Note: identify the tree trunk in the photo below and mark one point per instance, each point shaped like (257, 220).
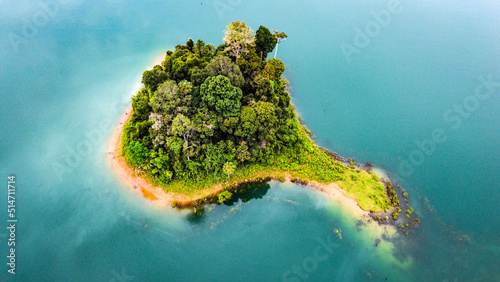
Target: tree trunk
(186, 145)
(276, 52)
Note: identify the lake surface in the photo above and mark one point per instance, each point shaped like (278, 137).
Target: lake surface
(391, 83)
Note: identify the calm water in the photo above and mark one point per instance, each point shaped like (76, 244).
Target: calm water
(68, 70)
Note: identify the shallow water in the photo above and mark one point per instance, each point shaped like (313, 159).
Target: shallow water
(70, 77)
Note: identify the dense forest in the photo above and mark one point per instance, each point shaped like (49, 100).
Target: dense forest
(208, 114)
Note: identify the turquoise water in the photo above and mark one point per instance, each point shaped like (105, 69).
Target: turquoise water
(69, 69)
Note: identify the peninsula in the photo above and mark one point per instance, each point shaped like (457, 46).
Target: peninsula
(209, 119)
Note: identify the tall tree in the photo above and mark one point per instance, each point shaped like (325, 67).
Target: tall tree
(242, 153)
(152, 78)
(274, 69)
(279, 37)
(222, 65)
(264, 41)
(229, 168)
(169, 100)
(182, 126)
(239, 38)
(217, 92)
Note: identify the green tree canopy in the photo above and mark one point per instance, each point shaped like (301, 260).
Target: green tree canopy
(242, 153)
(137, 153)
(222, 65)
(279, 67)
(229, 168)
(151, 78)
(264, 41)
(140, 104)
(169, 100)
(239, 39)
(218, 93)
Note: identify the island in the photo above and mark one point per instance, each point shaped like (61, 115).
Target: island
(211, 119)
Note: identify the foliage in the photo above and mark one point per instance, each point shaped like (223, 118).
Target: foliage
(222, 115)
(229, 168)
(152, 78)
(279, 37)
(392, 194)
(218, 93)
(242, 153)
(137, 153)
(239, 39)
(224, 196)
(222, 65)
(278, 66)
(264, 41)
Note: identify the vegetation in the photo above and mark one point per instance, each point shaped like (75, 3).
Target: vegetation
(221, 116)
(391, 192)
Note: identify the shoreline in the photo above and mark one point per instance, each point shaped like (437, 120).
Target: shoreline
(160, 197)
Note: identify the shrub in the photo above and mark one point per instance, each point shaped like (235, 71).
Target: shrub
(137, 153)
(224, 196)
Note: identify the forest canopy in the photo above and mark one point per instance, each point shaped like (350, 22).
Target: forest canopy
(209, 112)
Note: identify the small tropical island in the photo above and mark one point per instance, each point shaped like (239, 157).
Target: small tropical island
(211, 119)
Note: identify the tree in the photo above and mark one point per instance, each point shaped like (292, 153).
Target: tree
(266, 120)
(239, 38)
(279, 37)
(279, 68)
(269, 72)
(229, 168)
(169, 100)
(140, 104)
(242, 153)
(247, 126)
(199, 47)
(198, 76)
(249, 64)
(185, 87)
(190, 44)
(182, 126)
(137, 153)
(222, 65)
(217, 92)
(151, 78)
(264, 41)
(158, 165)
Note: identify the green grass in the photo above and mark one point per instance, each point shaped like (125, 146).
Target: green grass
(367, 190)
